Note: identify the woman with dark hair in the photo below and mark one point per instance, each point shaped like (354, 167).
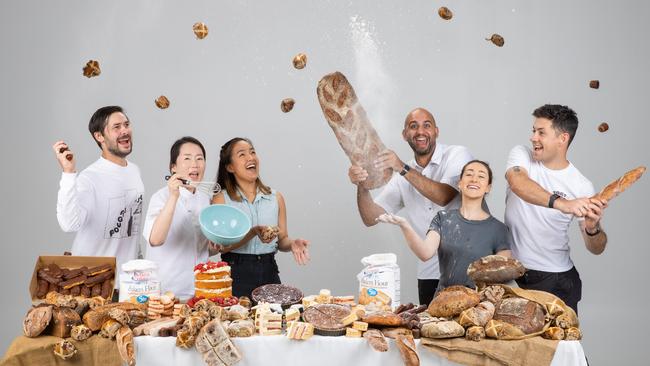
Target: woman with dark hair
(252, 260)
(460, 236)
(171, 228)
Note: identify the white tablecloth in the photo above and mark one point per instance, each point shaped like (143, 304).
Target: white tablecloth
(326, 351)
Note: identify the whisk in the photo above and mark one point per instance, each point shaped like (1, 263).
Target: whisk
(207, 187)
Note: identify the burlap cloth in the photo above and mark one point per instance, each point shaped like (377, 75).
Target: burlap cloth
(95, 350)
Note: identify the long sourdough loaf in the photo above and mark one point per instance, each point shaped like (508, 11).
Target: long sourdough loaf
(621, 184)
(350, 124)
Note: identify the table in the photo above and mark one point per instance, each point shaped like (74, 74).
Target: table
(326, 351)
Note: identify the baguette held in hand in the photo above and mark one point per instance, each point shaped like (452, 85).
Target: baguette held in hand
(621, 184)
(353, 130)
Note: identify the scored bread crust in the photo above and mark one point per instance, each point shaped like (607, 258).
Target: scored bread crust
(621, 184)
(353, 130)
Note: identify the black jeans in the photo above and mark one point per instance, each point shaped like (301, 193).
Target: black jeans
(249, 271)
(426, 289)
(565, 285)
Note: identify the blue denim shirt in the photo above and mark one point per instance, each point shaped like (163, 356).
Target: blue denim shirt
(262, 211)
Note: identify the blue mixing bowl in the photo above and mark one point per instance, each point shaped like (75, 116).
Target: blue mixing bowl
(224, 224)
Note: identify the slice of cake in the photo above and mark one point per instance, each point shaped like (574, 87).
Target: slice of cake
(212, 280)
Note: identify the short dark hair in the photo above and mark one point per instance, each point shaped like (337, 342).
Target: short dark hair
(100, 118)
(176, 148)
(226, 179)
(486, 165)
(564, 119)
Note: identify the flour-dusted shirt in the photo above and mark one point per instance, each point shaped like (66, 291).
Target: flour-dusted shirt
(103, 204)
(263, 211)
(541, 234)
(185, 245)
(444, 167)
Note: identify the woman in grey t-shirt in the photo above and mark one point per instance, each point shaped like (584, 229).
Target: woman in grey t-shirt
(460, 236)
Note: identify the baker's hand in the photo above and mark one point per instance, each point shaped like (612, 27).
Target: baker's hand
(392, 219)
(357, 174)
(300, 251)
(64, 156)
(388, 159)
(173, 184)
(577, 207)
(215, 248)
(595, 214)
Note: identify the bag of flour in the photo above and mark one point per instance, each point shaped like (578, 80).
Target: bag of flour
(379, 281)
(139, 277)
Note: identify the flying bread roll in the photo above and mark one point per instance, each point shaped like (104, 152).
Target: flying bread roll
(621, 184)
(353, 130)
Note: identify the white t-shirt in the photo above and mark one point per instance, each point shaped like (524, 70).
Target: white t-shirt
(103, 204)
(185, 245)
(444, 167)
(541, 234)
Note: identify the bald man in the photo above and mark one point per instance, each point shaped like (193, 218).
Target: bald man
(425, 185)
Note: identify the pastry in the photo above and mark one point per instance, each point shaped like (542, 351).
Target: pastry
(497, 40)
(212, 280)
(162, 102)
(185, 338)
(80, 332)
(215, 346)
(200, 30)
(95, 318)
(300, 61)
(65, 349)
(353, 333)
(277, 294)
(594, 84)
(352, 129)
(107, 289)
(91, 69)
(287, 105)
(241, 328)
(603, 127)
(475, 333)
(120, 315)
(445, 13)
(36, 320)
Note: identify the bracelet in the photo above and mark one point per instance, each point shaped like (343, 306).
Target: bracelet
(593, 234)
(405, 170)
(551, 200)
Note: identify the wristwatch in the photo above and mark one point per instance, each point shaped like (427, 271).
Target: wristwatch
(551, 200)
(405, 170)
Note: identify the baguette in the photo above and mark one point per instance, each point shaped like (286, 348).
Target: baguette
(621, 184)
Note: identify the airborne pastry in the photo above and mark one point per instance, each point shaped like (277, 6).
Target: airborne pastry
(445, 13)
(300, 61)
(200, 30)
(162, 102)
(92, 69)
(497, 40)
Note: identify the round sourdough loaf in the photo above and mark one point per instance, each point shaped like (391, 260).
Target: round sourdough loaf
(452, 301)
(524, 314)
(495, 269)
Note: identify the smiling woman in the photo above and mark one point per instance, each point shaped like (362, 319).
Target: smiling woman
(171, 228)
(460, 236)
(253, 258)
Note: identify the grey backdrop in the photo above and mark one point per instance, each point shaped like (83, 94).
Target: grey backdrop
(398, 55)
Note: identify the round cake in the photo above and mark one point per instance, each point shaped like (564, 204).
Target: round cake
(276, 293)
(212, 280)
(327, 319)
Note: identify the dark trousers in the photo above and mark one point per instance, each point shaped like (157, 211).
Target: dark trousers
(249, 271)
(426, 289)
(565, 285)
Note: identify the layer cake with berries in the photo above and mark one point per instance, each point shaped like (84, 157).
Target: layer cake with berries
(212, 279)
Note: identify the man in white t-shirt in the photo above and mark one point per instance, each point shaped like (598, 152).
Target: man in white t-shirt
(103, 203)
(545, 192)
(423, 187)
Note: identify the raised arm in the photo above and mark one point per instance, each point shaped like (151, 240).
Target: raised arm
(75, 196)
(423, 249)
(368, 209)
(162, 216)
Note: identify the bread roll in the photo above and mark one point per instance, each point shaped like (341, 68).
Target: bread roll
(452, 301)
(475, 333)
(501, 330)
(554, 333)
(478, 315)
(573, 334)
(442, 329)
(352, 128)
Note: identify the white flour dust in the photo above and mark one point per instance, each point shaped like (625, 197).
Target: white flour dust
(372, 83)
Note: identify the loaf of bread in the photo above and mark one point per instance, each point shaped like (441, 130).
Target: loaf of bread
(498, 329)
(36, 320)
(353, 130)
(442, 329)
(124, 339)
(493, 294)
(394, 332)
(524, 314)
(383, 318)
(63, 319)
(95, 318)
(376, 340)
(495, 269)
(407, 350)
(215, 346)
(621, 184)
(475, 333)
(452, 301)
(478, 315)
